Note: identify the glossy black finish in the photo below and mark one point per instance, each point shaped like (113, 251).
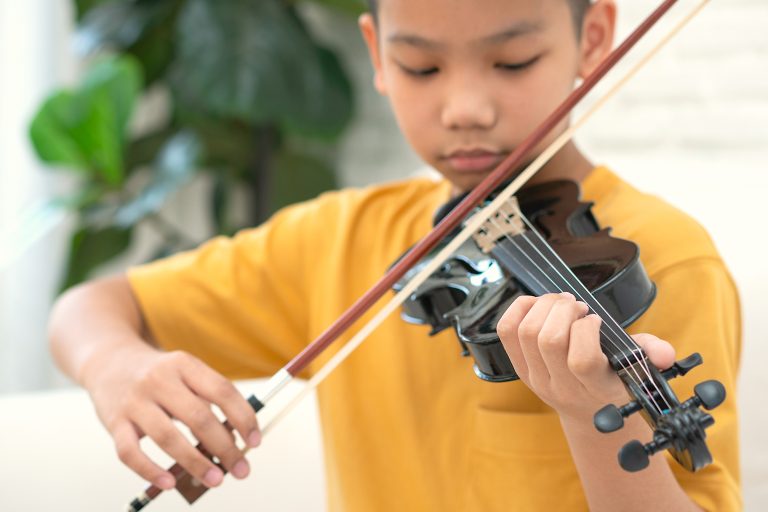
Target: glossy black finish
(471, 291)
(563, 249)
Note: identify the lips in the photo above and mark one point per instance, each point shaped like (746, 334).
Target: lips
(474, 160)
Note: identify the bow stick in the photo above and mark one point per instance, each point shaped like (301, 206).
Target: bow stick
(192, 490)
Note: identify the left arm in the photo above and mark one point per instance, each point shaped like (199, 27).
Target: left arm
(556, 351)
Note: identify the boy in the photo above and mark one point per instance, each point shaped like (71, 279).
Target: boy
(406, 423)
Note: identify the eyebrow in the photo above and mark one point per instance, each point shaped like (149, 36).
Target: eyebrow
(517, 30)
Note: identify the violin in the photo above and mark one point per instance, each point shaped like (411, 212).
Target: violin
(678, 427)
(545, 240)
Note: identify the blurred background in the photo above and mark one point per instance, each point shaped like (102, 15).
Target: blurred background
(132, 129)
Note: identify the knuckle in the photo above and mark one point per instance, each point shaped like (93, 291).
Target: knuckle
(243, 419)
(528, 330)
(126, 452)
(224, 388)
(166, 437)
(552, 340)
(179, 358)
(517, 309)
(523, 301)
(506, 329)
(583, 366)
(173, 360)
(201, 419)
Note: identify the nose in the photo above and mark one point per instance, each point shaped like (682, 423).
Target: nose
(468, 107)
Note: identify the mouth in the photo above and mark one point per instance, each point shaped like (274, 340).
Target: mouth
(474, 160)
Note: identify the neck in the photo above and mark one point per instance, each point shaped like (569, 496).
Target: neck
(568, 164)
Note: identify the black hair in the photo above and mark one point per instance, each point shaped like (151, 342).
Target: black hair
(578, 10)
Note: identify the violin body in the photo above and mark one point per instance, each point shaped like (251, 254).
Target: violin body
(547, 241)
(471, 291)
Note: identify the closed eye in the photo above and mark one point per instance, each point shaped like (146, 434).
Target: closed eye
(517, 66)
(419, 72)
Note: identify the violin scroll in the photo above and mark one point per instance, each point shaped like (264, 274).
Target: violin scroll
(679, 428)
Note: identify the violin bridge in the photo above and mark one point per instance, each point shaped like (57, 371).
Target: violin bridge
(505, 222)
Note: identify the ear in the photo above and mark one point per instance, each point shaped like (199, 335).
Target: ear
(597, 34)
(370, 35)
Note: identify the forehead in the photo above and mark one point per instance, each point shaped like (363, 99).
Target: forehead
(468, 21)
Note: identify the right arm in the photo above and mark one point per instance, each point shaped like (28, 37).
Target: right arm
(100, 339)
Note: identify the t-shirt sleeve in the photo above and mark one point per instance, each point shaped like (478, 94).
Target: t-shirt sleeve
(697, 310)
(236, 303)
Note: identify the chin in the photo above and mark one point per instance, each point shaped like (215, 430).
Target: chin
(464, 183)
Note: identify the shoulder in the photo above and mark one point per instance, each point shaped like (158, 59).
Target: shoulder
(386, 209)
(667, 236)
(380, 219)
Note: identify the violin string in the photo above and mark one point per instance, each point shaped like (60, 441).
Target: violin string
(586, 296)
(636, 378)
(573, 287)
(622, 334)
(630, 370)
(337, 358)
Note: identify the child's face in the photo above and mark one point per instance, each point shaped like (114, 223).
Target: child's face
(468, 80)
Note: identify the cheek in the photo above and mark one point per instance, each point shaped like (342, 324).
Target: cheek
(530, 101)
(415, 111)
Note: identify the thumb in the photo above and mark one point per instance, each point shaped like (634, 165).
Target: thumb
(660, 352)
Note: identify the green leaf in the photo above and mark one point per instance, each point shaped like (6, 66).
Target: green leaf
(255, 61)
(300, 177)
(120, 79)
(90, 248)
(50, 131)
(142, 28)
(85, 129)
(78, 131)
(174, 167)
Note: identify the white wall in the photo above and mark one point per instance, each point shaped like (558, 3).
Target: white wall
(34, 58)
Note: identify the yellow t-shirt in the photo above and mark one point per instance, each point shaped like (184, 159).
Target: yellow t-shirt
(406, 423)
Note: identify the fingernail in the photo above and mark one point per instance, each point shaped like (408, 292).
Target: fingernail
(165, 482)
(254, 439)
(241, 469)
(213, 477)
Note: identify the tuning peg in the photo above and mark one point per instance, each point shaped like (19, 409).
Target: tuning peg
(634, 456)
(709, 394)
(611, 418)
(683, 366)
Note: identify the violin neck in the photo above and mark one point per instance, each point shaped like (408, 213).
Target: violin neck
(536, 266)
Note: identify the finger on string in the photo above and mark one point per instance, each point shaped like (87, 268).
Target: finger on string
(587, 361)
(555, 335)
(528, 334)
(661, 353)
